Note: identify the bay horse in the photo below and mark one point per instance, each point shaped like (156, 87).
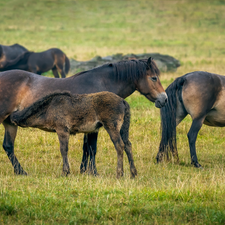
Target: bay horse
(19, 89)
(10, 52)
(39, 62)
(67, 114)
(199, 94)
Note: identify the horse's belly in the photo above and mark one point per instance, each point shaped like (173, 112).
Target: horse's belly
(89, 127)
(215, 118)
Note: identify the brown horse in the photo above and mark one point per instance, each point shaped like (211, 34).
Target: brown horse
(200, 94)
(67, 114)
(10, 52)
(39, 62)
(19, 89)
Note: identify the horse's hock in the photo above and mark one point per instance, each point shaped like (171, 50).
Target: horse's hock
(165, 63)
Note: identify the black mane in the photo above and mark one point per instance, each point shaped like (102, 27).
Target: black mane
(131, 70)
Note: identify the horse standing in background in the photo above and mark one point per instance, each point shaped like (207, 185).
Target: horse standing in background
(202, 96)
(10, 52)
(20, 89)
(39, 62)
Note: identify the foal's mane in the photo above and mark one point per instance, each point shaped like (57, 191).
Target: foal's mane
(131, 70)
(36, 107)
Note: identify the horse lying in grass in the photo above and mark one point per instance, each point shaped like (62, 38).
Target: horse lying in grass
(39, 62)
(67, 114)
(200, 94)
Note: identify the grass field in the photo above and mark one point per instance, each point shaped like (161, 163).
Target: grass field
(168, 193)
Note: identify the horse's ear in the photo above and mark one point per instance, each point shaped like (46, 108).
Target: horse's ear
(149, 62)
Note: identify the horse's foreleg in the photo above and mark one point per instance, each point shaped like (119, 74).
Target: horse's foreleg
(119, 146)
(64, 140)
(55, 72)
(8, 145)
(192, 136)
(92, 148)
(83, 166)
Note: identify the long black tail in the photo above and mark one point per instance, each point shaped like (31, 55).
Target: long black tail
(67, 65)
(168, 120)
(124, 132)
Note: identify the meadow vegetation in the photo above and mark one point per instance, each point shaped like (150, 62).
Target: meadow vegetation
(168, 193)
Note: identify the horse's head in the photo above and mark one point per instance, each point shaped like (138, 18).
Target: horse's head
(150, 85)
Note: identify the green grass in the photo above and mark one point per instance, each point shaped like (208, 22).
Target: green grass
(168, 193)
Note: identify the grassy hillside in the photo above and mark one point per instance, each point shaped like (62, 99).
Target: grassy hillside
(191, 31)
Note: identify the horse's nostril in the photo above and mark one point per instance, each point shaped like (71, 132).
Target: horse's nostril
(166, 100)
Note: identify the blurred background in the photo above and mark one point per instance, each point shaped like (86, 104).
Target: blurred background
(191, 31)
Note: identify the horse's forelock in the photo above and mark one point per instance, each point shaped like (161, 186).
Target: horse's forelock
(153, 67)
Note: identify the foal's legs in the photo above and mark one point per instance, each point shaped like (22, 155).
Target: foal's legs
(8, 145)
(119, 146)
(192, 136)
(128, 149)
(64, 140)
(89, 148)
(55, 72)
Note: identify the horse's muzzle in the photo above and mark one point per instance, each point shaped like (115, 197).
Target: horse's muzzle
(161, 100)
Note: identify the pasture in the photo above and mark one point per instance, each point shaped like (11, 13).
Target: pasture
(168, 193)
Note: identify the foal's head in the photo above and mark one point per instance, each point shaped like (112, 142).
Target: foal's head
(150, 85)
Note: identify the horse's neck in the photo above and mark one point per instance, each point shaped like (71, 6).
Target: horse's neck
(121, 88)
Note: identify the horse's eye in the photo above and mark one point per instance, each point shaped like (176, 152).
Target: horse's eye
(154, 79)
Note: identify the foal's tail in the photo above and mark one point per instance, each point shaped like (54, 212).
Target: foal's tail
(67, 65)
(124, 132)
(168, 119)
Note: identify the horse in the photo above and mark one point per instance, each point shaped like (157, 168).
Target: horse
(10, 52)
(67, 114)
(199, 94)
(39, 62)
(19, 89)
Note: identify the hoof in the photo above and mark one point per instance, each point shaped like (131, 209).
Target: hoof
(133, 173)
(65, 173)
(82, 170)
(20, 172)
(93, 173)
(197, 165)
(119, 175)
(159, 158)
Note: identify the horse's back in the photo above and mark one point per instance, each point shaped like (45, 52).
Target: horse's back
(13, 51)
(201, 92)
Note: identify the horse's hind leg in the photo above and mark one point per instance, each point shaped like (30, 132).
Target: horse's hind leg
(119, 146)
(192, 136)
(63, 140)
(8, 145)
(55, 72)
(59, 67)
(124, 132)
